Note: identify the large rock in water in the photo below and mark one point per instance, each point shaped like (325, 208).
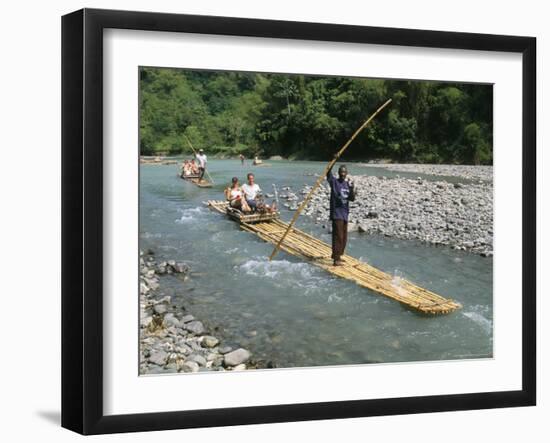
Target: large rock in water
(236, 357)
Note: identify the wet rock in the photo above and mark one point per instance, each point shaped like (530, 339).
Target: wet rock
(181, 268)
(236, 357)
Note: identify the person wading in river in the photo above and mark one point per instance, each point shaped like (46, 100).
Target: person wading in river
(342, 192)
(201, 158)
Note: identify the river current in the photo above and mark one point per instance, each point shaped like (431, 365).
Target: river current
(290, 312)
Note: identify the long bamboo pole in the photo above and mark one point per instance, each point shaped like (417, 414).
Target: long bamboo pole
(323, 176)
(195, 152)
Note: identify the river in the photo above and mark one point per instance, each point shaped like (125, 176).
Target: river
(290, 312)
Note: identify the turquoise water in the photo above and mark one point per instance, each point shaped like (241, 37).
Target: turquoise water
(295, 314)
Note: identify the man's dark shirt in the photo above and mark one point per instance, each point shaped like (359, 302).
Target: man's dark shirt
(341, 193)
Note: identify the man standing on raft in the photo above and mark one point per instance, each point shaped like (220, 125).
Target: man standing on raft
(342, 192)
(201, 158)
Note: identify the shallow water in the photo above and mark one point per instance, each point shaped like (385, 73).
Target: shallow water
(295, 314)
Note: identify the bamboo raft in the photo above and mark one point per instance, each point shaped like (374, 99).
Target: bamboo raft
(195, 180)
(317, 252)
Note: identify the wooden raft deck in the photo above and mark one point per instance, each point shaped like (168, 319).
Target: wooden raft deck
(317, 252)
(195, 180)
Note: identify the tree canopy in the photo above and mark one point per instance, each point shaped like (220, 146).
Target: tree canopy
(310, 117)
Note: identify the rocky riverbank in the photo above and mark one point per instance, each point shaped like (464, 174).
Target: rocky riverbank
(437, 212)
(469, 172)
(173, 340)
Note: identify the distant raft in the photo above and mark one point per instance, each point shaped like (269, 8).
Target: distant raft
(204, 183)
(317, 252)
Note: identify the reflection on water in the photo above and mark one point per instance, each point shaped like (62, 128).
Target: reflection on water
(296, 314)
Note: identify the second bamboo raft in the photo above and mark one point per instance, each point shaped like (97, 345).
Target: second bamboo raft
(317, 252)
(196, 181)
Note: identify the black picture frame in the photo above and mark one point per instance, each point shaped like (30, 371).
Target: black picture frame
(82, 218)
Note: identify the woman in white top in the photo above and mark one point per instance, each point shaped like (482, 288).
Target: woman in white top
(234, 194)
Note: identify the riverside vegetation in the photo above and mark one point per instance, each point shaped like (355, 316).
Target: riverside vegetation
(308, 117)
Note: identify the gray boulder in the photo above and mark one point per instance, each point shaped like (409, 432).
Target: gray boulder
(196, 327)
(198, 359)
(187, 318)
(170, 320)
(236, 357)
(158, 357)
(190, 366)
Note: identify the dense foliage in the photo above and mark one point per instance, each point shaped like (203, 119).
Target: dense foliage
(310, 117)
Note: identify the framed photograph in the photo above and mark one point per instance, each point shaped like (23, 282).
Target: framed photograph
(269, 221)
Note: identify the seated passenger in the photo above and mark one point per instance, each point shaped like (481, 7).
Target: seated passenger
(234, 194)
(253, 196)
(186, 168)
(251, 191)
